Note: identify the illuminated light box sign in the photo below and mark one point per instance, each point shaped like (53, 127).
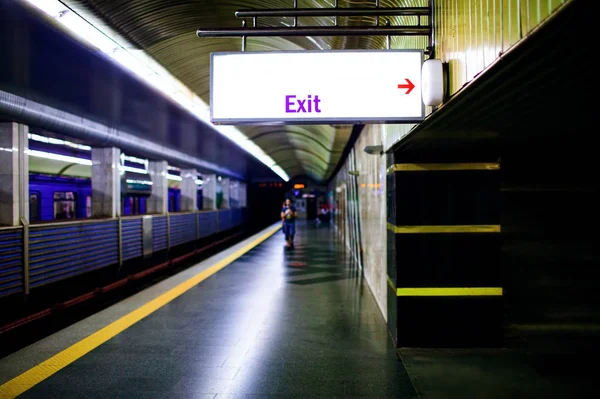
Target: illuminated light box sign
(316, 87)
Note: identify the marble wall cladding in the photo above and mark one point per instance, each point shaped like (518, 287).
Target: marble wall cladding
(369, 210)
(372, 200)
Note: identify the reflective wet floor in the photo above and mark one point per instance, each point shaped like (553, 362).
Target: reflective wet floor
(275, 323)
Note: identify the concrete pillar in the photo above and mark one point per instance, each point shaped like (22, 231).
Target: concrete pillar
(226, 193)
(158, 202)
(209, 192)
(443, 271)
(14, 173)
(189, 190)
(106, 182)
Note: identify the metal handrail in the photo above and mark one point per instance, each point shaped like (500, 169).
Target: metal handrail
(3, 228)
(72, 222)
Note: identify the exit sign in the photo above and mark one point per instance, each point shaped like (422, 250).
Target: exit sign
(316, 87)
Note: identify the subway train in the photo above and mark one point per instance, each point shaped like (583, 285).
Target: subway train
(53, 197)
(63, 248)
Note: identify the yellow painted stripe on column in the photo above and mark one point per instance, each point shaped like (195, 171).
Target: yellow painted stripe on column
(37, 374)
(476, 228)
(447, 291)
(432, 167)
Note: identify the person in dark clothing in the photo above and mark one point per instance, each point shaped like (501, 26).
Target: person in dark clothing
(288, 216)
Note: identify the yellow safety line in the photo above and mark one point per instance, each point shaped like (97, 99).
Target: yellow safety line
(38, 373)
(476, 228)
(446, 291)
(425, 167)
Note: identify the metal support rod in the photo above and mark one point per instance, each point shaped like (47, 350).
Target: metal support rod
(168, 231)
(197, 219)
(26, 283)
(120, 242)
(295, 17)
(388, 40)
(243, 37)
(318, 31)
(335, 17)
(377, 16)
(334, 12)
(431, 23)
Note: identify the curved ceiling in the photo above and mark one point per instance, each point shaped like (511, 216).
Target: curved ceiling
(166, 30)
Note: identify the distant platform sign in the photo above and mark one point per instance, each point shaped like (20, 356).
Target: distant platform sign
(316, 87)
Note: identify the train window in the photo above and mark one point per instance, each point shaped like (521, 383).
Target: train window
(65, 205)
(34, 207)
(88, 206)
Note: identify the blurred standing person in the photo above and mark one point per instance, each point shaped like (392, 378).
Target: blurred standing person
(289, 215)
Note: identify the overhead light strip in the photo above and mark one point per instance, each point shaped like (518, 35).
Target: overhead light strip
(87, 162)
(151, 72)
(59, 157)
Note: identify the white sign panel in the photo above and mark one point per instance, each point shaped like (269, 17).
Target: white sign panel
(316, 87)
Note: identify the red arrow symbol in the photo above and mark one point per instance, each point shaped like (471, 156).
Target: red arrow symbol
(408, 86)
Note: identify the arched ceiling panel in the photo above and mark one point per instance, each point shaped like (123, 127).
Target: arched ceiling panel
(166, 30)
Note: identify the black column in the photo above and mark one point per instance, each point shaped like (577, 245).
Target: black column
(444, 286)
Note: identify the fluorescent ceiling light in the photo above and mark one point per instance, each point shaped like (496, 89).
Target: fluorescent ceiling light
(82, 161)
(52, 140)
(132, 169)
(174, 177)
(136, 160)
(144, 182)
(151, 72)
(58, 157)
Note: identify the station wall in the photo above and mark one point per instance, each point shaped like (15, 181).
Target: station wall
(469, 36)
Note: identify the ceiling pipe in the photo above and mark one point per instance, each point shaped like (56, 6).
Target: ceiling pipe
(333, 12)
(43, 116)
(318, 31)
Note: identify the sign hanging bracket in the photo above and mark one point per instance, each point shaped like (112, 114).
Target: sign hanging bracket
(417, 29)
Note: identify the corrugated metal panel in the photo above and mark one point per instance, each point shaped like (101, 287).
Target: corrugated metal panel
(60, 251)
(183, 228)
(131, 236)
(207, 223)
(11, 261)
(224, 220)
(159, 233)
(472, 34)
